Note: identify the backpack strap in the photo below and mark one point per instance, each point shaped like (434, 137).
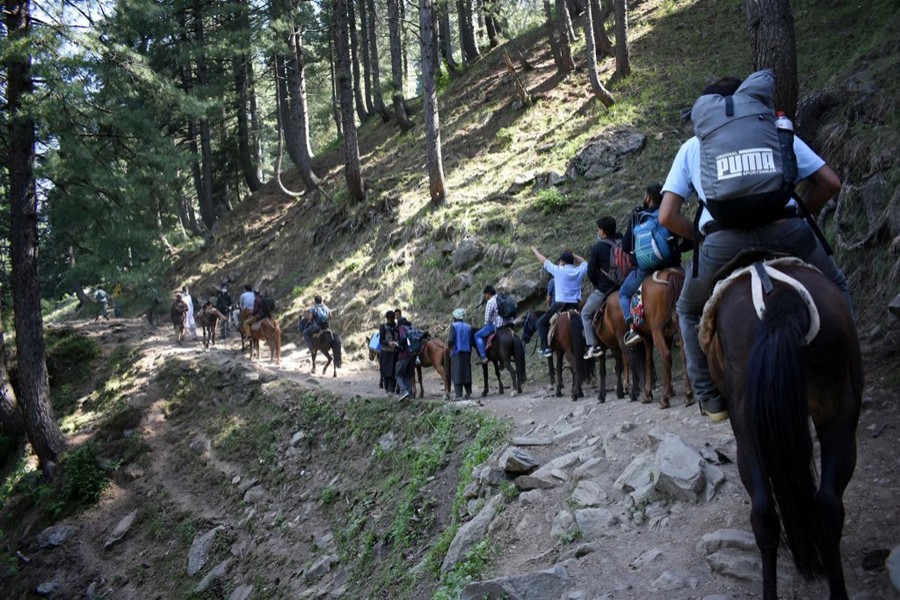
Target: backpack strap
(698, 237)
(804, 212)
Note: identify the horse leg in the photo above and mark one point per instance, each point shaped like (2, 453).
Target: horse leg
(499, 377)
(688, 388)
(620, 368)
(484, 371)
(648, 371)
(552, 373)
(665, 351)
(559, 373)
(510, 367)
(312, 358)
(327, 361)
(576, 375)
(838, 464)
(601, 371)
(421, 384)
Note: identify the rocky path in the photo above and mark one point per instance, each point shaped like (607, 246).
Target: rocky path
(628, 500)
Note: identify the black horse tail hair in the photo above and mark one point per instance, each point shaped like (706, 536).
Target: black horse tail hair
(336, 348)
(519, 356)
(777, 417)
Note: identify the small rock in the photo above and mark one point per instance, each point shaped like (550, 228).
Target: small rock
(563, 524)
(297, 438)
(668, 582)
(588, 493)
(199, 446)
(242, 592)
(893, 567)
(46, 589)
(530, 498)
(388, 441)
(550, 583)
(515, 460)
(55, 536)
(121, 529)
(530, 482)
(320, 567)
(200, 549)
(727, 538)
(531, 441)
(134, 471)
(567, 435)
(255, 493)
(218, 572)
(647, 558)
(470, 534)
(595, 522)
(235, 480)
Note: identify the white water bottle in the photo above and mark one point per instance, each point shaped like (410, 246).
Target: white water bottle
(786, 140)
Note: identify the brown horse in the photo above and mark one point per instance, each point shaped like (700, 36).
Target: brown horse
(434, 353)
(327, 342)
(268, 330)
(610, 330)
(775, 374)
(660, 293)
(208, 318)
(178, 313)
(507, 348)
(568, 343)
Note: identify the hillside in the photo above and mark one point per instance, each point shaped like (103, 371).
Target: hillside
(198, 474)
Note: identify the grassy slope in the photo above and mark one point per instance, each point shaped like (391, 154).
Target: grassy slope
(387, 251)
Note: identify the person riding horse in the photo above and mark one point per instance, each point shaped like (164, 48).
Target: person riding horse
(319, 316)
(787, 233)
(568, 275)
(648, 209)
(598, 273)
(246, 304)
(493, 322)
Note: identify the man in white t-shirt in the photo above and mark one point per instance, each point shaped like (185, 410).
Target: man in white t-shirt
(189, 321)
(787, 234)
(568, 275)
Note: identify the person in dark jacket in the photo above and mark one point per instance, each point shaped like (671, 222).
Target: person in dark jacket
(598, 273)
(461, 340)
(389, 339)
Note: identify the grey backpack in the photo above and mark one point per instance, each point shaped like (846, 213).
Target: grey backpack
(747, 171)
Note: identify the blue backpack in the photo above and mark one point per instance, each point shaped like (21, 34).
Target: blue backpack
(651, 242)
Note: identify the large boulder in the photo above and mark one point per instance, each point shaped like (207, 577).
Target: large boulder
(522, 285)
(471, 533)
(467, 253)
(603, 154)
(541, 585)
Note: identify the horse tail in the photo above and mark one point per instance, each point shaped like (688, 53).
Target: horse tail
(277, 340)
(336, 349)
(519, 356)
(777, 419)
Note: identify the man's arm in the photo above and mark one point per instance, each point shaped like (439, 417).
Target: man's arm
(671, 218)
(823, 184)
(578, 259)
(541, 258)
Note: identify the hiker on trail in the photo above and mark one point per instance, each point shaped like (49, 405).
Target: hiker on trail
(389, 339)
(401, 320)
(568, 274)
(782, 231)
(669, 255)
(599, 265)
(319, 314)
(223, 305)
(406, 362)
(460, 342)
(492, 322)
(189, 322)
(102, 298)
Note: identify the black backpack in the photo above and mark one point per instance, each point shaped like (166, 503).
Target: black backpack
(506, 306)
(415, 338)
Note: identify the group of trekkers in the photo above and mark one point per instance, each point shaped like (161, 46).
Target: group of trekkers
(742, 164)
(395, 343)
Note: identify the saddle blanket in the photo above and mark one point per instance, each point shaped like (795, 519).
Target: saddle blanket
(551, 332)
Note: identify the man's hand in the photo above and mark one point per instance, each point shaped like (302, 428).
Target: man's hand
(539, 256)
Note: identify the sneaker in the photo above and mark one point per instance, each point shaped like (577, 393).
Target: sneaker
(484, 361)
(589, 353)
(631, 338)
(599, 352)
(546, 353)
(403, 396)
(714, 407)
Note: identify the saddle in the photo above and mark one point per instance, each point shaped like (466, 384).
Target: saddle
(490, 338)
(761, 275)
(258, 324)
(553, 320)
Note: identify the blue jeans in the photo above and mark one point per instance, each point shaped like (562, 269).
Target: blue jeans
(308, 334)
(543, 324)
(631, 285)
(793, 236)
(481, 337)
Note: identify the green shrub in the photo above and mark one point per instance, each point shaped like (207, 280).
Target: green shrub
(551, 200)
(84, 476)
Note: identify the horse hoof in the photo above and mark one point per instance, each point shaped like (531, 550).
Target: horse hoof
(664, 404)
(690, 401)
(646, 400)
(513, 394)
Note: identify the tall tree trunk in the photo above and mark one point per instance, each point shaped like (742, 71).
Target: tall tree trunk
(623, 66)
(446, 39)
(589, 45)
(771, 26)
(599, 15)
(550, 27)
(576, 7)
(247, 151)
(490, 24)
(397, 65)
(565, 19)
(366, 62)
(207, 200)
(564, 24)
(34, 385)
(377, 95)
(296, 68)
(254, 117)
(432, 123)
(466, 31)
(354, 62)
(12, 423)
(335, 103)
(288, 126)
(345, 92)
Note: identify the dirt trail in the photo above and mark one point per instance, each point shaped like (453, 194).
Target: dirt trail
(667, 533)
